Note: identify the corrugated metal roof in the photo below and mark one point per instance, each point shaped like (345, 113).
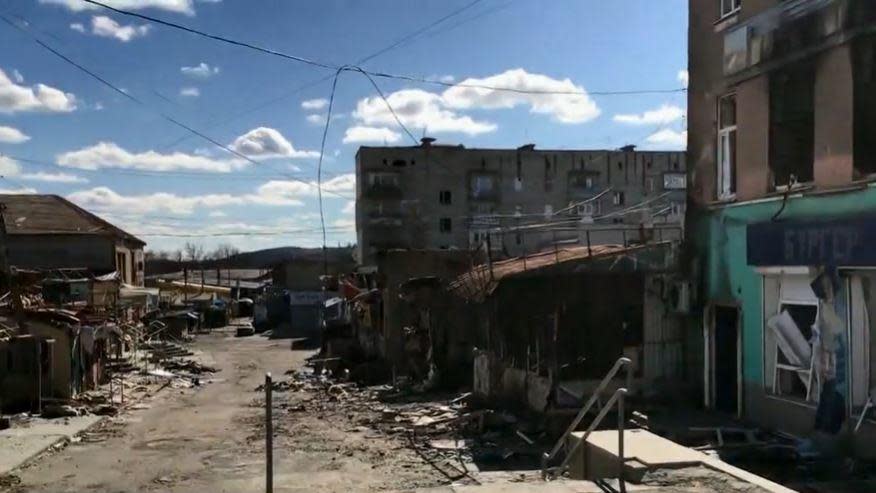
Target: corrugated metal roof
(32, 214)
(481, 281)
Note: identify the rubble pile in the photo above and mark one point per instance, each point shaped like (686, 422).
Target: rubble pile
(449, 432)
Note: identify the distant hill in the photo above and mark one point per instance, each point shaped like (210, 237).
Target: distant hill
(257, 259)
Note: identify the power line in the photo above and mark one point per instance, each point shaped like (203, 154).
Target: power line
(141, 103)
(387, 75)
(399, 42)
(418, 32)
(328, 120)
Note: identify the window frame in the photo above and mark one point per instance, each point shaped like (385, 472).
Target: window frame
(445, 225)
(725, 169)
(734, 7)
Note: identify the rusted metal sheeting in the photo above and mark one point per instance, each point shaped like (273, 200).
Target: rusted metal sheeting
(482, 280)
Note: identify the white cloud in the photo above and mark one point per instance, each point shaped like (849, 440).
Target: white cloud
(10, 135)
(447, 79)
(102, 25)
(53, 177)
(314, 104)
(10, 168)
(349, 207)
(345, 224)
(180, 6)
(22, 190)
(78, 27)
(189, 92)
(663, 115)
(104, 199)
(683, 77)
(272, 193)
(110, 155)
(17, 76)
(98, 106)
(564, 108)
(418, 109)
(200, 71)
(40, 97)
(217, 214)
(265, 142)
(360, 134)
(287, 189)
(316, 119)
(668, 138)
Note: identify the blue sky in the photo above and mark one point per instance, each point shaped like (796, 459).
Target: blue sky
(62, 132)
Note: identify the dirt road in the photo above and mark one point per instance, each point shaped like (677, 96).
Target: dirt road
(211, 438)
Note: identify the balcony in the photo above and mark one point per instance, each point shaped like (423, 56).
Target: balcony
(793, 30)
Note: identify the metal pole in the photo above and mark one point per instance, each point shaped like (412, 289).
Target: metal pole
(620, 442)
(269, 437)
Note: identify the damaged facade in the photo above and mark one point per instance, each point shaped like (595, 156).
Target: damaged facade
(49, 232)
(552, 324)
(781, 114)
(442, 197)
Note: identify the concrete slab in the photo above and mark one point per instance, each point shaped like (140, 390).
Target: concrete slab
(22, 443)
(651, 450)
(598, 458)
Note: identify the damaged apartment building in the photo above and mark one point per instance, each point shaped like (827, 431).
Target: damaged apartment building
(448, 197)
(782, 113)
(509, 252)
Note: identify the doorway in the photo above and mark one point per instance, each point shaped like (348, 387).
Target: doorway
(726, 377)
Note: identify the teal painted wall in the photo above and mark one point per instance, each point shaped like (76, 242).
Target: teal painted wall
(719, 237)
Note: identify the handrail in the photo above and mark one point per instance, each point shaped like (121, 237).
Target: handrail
(618, 397)
(621, 362)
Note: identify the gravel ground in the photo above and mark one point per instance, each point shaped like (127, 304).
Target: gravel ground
(211, 438)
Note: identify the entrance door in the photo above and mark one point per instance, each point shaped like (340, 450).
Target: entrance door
(726, 359)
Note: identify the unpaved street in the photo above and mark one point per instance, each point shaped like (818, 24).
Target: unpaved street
(211, 438)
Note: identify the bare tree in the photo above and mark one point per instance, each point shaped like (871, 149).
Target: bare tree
(225, 251)
(194, 252)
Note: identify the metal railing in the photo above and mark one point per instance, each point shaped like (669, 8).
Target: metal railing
(617, 397)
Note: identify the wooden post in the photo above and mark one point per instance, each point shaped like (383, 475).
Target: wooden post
(589, 250)
(185, 284)
(269, 437)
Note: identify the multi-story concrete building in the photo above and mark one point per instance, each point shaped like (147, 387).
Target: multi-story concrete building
(781, 114)
(442, 197)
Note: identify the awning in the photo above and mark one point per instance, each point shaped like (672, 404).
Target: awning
(483, 279)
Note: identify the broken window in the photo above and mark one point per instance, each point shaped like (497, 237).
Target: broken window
(618, 198)
(383, 179)
(864, 68)
(727, 146)
(445, 225)
(729, 7)
(790, 312)
(792, 125)
(548, 175)
(483, 186)
(445, 197)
